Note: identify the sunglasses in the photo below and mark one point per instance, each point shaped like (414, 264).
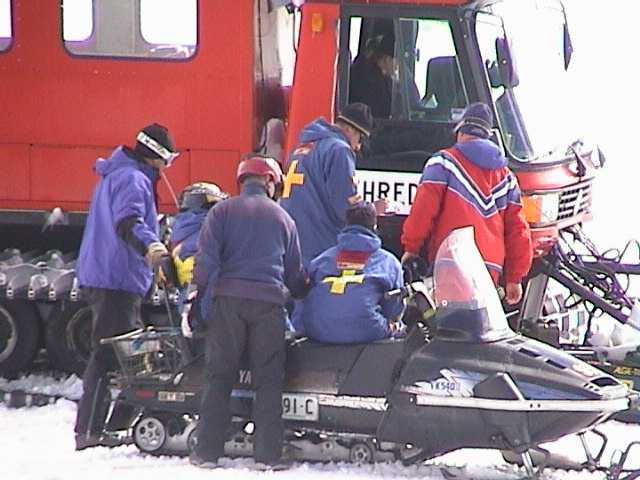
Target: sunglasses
(163, 152)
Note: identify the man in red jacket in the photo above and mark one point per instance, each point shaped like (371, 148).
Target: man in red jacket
(470, 184)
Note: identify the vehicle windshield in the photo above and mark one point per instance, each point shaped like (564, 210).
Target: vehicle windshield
(462, 284)
(537, 115)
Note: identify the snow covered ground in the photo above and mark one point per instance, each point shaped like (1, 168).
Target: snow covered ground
(36, 443)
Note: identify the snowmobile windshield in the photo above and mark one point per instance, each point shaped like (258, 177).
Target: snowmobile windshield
(524, 47)
(467, 303)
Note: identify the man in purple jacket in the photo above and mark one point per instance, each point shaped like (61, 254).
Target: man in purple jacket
(120, 247)
(249, 258)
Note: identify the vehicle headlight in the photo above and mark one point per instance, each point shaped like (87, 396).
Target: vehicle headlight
(541, 209)
(3, 278)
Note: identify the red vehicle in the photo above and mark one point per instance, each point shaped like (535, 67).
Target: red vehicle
(228, 77)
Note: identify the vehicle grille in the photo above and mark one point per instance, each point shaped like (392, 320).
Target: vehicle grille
(575, 200)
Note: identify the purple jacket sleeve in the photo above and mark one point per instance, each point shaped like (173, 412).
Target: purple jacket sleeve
(341, 180)
(131, 198)
(392, 308)
(295, 277)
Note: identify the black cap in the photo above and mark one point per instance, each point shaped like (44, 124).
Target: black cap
(362, 213)
(477, 120)
(383, 45)
(158, 133)
(357, 115)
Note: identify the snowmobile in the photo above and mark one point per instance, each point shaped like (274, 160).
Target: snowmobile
(461, 378)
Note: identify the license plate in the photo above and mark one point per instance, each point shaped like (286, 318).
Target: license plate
(300, 407)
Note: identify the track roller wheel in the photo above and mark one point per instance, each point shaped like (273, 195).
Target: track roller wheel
(20, 332)
(68, 336)
(361, 453)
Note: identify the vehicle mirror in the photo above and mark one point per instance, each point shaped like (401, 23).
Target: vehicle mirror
(493, 74)
(567, 45)
(506, 65)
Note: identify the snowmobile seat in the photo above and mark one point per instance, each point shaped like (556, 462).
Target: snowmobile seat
(362, 369)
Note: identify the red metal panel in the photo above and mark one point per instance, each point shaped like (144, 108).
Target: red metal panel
(549, 179)
(216, 166)
(58, 101)
(14, 168)
(314, 80)
(62, 173)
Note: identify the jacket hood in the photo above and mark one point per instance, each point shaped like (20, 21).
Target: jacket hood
(320, 129)
(187, 224)
(120, 158)
(358, 238)
(482, 152)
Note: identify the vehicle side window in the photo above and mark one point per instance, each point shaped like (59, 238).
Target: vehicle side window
(436, 71)
(164, 29)
(6, 33)
(405, 68)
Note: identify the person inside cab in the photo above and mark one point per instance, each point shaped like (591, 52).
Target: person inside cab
(371, 76)
(346, 303)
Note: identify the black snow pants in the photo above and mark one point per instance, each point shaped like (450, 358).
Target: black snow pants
(114, 312)
(237, 326)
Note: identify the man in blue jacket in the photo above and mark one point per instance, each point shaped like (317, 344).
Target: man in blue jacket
(195, 201)
(346, 303)
(120, 247)
(249, 258)
(320, 183)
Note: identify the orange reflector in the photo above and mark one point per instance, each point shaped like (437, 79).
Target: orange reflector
(317, 23)
(531, 206)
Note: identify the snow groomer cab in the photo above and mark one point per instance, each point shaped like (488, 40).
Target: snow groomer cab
(461, 378)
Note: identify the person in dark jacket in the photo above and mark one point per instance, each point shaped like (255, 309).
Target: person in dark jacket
(470, 184)
(346, 303)
(320, 184)
(371, 76)
(249, 254)
(120, 247)
(195, 201)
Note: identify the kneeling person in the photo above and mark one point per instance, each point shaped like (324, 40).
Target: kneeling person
(346, 303)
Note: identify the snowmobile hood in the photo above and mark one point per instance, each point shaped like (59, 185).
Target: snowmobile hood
(123, 157)
(358, 238)
(320, 129)
(482, 152)
(188, 223)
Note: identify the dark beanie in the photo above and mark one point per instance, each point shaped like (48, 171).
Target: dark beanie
(160, 134)
(362, 213)
(477, 120)
(383, 45)
(357, 115)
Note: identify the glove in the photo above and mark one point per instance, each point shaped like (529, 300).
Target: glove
(155, 253)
